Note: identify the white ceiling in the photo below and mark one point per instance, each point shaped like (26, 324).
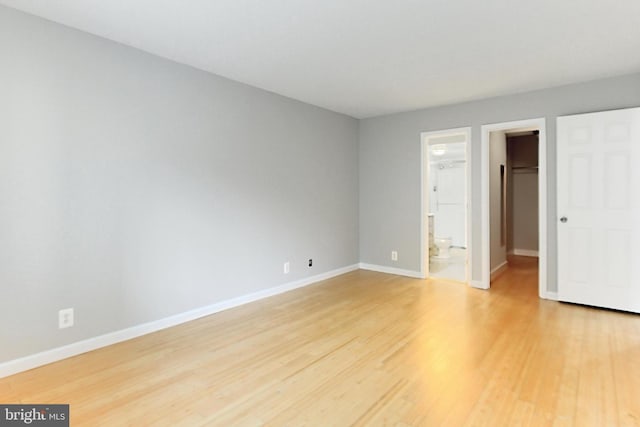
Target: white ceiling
(371, 57)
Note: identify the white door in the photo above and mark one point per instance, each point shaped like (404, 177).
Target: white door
(598, 174)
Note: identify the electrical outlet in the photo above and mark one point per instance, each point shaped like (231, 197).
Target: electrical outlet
(310, 262)
(394, 255)
(286, 267)
(65, 318)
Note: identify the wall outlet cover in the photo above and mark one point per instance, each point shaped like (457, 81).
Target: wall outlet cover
(65, 318)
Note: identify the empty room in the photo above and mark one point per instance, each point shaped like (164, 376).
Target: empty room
(336, 213)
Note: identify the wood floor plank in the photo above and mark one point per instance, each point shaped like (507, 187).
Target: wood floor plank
(364, 349)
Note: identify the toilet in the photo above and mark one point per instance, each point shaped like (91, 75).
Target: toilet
(443, 244)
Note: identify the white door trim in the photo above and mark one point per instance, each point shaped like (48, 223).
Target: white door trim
(540, 125)
(424, 196)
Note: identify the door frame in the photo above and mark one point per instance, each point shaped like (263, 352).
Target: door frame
(424, 196)
(540, 125)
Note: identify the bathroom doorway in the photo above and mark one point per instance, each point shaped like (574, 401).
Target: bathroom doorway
(445, 207)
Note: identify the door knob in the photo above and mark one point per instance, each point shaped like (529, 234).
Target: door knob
(563, 219)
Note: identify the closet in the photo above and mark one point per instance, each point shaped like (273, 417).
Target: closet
(521, 187)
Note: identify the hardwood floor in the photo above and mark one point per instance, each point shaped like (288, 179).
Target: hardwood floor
(365, 348)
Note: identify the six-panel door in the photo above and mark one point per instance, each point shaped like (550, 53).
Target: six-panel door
(599, 209)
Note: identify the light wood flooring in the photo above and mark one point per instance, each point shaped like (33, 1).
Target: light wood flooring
(361, 349)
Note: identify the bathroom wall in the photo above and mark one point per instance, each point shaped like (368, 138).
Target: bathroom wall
(447, 196)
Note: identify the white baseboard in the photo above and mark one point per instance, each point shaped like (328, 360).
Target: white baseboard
(499, 270)
(39, 359)
(391, 270)
(525, 252)
(553, 296)
(478, 284)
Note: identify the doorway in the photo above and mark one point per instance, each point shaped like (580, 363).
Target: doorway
(445, 237)
(499, 174)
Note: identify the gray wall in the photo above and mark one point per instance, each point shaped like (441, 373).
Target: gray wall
(133, 188)
(497, 158)
(390, 163)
